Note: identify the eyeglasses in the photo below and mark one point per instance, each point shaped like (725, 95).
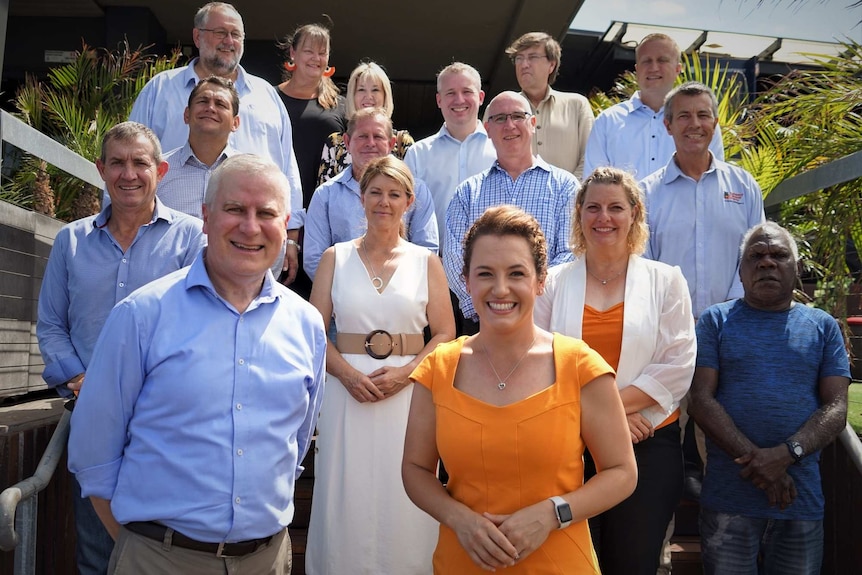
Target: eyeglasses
(517, 118)
(531, 58)
(221, 34)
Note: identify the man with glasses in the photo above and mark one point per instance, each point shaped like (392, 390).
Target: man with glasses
(563, 120)
(518, 178)
(265, 128)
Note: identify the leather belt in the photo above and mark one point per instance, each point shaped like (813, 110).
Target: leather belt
(379, 343)
(158, 532)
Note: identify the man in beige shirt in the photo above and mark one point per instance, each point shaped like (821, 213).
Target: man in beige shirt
(563, 120)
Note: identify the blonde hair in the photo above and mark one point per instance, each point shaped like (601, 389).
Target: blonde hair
(372, 71)
(394, 169)
(638, 233)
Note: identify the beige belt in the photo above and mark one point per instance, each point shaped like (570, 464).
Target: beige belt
(379, 343)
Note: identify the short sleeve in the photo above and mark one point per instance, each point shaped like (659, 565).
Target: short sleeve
(439, 365)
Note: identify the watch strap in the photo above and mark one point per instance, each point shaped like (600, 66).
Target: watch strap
(562, 510)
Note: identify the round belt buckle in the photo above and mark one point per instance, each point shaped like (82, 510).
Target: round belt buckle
(369, 345)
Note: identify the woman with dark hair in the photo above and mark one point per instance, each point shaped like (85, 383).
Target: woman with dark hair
(510, 411)
(383, 291)
(637, 314)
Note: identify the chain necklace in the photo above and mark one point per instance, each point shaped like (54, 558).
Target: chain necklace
(502, 385)
(376, 280)
(610, 279)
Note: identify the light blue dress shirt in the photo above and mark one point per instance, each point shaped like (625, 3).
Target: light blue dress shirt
(88, 272)
(698, 226)
(633, 137)
(184, 186)
(264, 126)
(335, 214)
(544, 191)
(197, 416)
(443, 162)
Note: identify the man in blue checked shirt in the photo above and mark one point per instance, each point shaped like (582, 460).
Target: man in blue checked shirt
(517, 178)
(94, 263)
(202, 397)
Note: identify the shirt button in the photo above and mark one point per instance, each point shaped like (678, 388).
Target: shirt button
(122, 284)
(124, 260)
(538, 143)
(239, 406)
(242, 362)
(538, 127)
(236, 500)
(239, 452)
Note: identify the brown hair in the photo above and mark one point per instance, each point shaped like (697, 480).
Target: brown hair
(317, 35)
(552, 49)
(638, 233)
(507, 220)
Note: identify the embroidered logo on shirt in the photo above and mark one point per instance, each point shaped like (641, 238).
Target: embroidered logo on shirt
(733, 197)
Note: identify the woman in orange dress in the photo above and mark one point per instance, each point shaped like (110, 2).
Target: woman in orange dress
(510, 411)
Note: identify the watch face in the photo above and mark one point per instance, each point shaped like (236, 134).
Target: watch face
(797, 450)
(565, 513)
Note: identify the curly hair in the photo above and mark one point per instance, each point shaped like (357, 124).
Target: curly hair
(507, 220)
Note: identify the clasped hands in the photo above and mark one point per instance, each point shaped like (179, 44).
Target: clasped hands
(497, 541)
(379, 384)
(766, 468)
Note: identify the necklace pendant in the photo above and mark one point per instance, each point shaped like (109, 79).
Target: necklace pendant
(501, 386)
(377, 282)
(604, 282)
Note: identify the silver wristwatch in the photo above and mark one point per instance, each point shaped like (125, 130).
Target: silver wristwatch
(562, 510)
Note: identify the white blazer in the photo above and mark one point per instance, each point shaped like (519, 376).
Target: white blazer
(658, 348)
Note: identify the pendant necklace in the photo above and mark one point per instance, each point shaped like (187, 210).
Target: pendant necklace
(376, 280)
(610, 279)
(502, 385)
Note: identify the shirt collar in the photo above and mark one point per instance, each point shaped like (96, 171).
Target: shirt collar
(538, 163)
(161, 212)
(672, 172)
(191, 77)
(186, 153)
(480, 129)
(346, 179)
(198, 277)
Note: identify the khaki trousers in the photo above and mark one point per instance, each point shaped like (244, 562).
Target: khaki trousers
(138, 555)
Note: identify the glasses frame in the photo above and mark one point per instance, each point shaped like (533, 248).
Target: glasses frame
(221, 34)
(501, 119)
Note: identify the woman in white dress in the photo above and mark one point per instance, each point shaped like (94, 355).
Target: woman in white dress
(382, 291)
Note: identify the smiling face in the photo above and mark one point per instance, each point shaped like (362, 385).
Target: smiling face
(385, 202)
(311, 57)
(369, 140)
(220, 56)
(606, 216)
(657, 66)
(369, 94)
(131, 173)
(459, 99)
(511, 139)
(245, 225)
(692, 124)
(211, 113)
(768, 271)
(502, 281)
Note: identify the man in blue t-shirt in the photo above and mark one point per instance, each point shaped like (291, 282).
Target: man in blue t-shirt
(769, 391)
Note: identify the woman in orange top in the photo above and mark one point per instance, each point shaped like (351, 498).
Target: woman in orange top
(637, 314)
(510, 411)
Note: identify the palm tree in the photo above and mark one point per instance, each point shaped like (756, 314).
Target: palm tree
(77, 104)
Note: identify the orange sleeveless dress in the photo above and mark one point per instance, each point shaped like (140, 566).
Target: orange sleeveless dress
(501, 459)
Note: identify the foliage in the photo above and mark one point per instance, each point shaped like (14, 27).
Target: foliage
(76, 105)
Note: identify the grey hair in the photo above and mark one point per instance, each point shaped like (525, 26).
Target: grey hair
(128, 131)
(204, 12)
(769, 227)
(689, 89)
(248, 164)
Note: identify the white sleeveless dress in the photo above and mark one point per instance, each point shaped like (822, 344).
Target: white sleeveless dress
(362, 521)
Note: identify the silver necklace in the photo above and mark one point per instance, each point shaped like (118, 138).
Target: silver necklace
(610, 279)
(502, 385)
(376, 280)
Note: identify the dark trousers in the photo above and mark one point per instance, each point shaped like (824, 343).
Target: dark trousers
(628, 538)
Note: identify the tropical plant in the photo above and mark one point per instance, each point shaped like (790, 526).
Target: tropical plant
(76, 105)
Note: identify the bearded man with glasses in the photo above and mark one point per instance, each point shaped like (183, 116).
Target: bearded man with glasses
(264, 128)
(519, 178)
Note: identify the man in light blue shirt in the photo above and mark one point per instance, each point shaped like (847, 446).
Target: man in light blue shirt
(461, 148)
(94, 263)
(698, 207)
(212, 115)
(335, 213)
(202, 397)
(265, 129)
(518, 178)
(631, 135)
